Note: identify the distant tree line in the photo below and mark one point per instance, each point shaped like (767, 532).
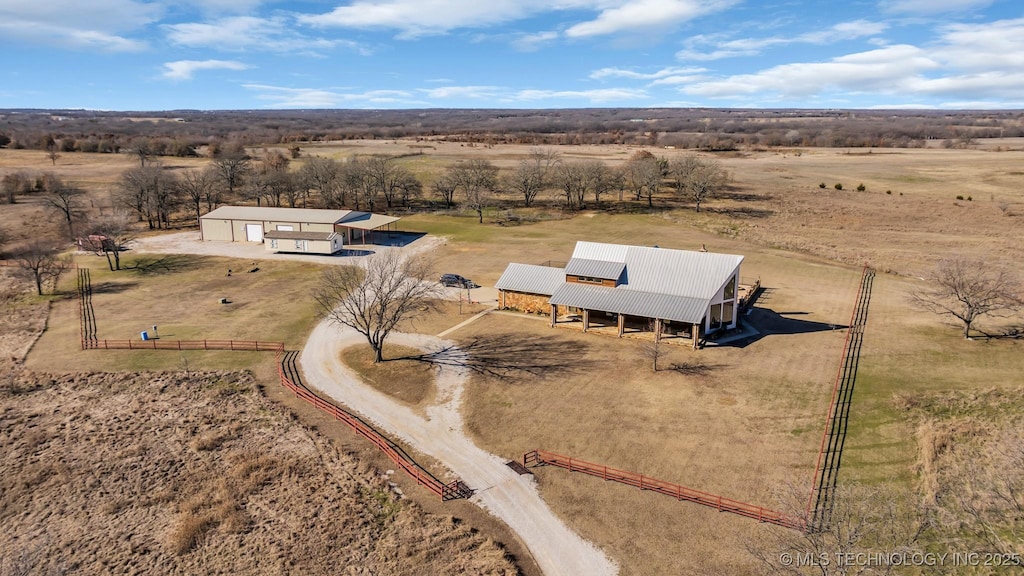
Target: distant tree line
(184, 133)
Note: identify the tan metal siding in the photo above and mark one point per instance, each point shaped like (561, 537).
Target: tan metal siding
(218, 230)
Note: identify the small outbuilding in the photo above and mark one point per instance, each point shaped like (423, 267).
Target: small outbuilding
(253, 223)
(303, 242)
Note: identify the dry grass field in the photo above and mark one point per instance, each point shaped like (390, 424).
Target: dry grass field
(741, 421)
(192, 471)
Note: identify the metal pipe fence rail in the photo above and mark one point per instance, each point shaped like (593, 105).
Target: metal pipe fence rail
(826, 470)
(720, 503)
(157, 344)
(451, 491)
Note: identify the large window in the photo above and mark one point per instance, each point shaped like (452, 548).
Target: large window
(730, 290)
(716, 316)
(727, 309)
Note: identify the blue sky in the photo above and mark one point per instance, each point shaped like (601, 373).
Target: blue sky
(235, 54)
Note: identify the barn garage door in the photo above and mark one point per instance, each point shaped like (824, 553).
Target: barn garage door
(254, 232)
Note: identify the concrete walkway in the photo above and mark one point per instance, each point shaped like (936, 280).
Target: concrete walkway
(512, 498)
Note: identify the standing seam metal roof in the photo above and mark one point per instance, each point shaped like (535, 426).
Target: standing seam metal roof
(531, 279)
(595, 268)
(665, 271)
(632, 302)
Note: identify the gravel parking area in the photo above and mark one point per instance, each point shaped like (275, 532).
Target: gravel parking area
(189, 243)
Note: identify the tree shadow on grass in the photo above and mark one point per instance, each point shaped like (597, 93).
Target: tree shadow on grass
(113, 287)
(512, 356)
(168, 264)
(689, 368)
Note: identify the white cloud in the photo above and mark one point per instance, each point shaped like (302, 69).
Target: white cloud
(422, 17)
(633, 75)
(185, 69)
(720, 49)
(240, 33)
(282, 97)
(925, 7)
(887, 70)
(601, 95)
(416, 18)
(532, 42)
(966, 63)
(638, 15)
(443, 92)
(94, 25)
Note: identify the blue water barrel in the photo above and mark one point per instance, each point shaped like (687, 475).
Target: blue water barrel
(145, 335)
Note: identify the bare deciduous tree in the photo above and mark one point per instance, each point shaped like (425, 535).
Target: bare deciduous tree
(697, 179)
(982, 499)
(573, 181)
(373, 299)
(533, 174)
(641, 175)
(968, 290)
(111, 234)
(151, 192)
(41, 262)
(232, 165)
(445, 187)
(322, 175)
(199, 187)
(477, 179)
(653, 350)
(878, 519)
(64, 199)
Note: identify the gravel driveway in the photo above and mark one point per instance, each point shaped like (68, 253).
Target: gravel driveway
(510, 497)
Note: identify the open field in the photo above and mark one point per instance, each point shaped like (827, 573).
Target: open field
(739, 421)
(180, 295)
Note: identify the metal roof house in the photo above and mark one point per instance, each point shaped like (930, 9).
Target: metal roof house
(681, 292)
(258, 223)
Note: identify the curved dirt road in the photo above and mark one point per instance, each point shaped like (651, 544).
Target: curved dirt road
(498, 489)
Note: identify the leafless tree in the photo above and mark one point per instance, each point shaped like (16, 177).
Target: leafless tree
(477, 179)
(356, 178)
(64, 199)
(111, 234)
(968, 290)
(445, 187)
(232, 165)
(199, 187)
(982, 497)
(53, 152)
(386, 176)
(653, 350)
(323, 174)
(599, 179)
(573, 181)
(642, 176)
(877, 519)
(697, 179)
(151, 192)
(533, 174)
(373, 299)
(41, 262)
(15, 183)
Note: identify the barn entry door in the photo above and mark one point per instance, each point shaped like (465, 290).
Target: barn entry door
(254, 232)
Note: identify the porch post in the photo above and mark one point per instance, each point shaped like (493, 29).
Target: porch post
(657, 329)
(696, 335)
(622, 324)
(501, 297)
(586, 319)
(554, 314)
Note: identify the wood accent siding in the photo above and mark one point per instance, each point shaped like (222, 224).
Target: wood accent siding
(529, 303)
(582, 280)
